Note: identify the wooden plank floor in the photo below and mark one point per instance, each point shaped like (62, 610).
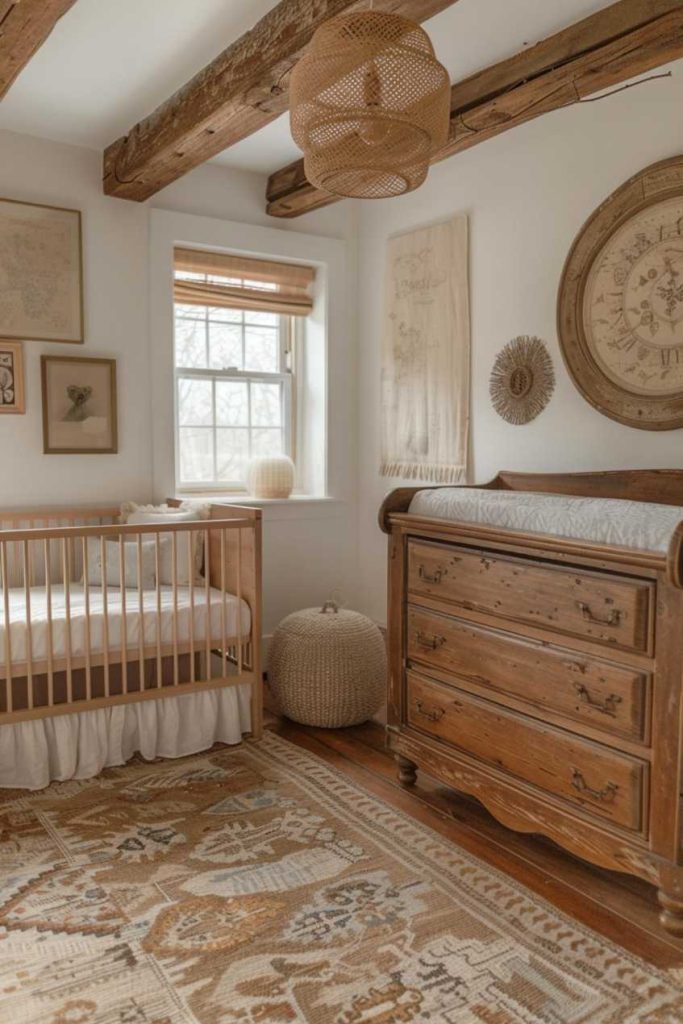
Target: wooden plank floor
(621, 908)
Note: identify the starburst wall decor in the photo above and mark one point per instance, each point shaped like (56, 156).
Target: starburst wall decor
(522, 380)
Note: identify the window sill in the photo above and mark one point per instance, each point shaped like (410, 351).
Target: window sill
(298, 506)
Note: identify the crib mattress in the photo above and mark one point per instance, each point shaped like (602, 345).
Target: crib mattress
(140, 616)
(630, 524)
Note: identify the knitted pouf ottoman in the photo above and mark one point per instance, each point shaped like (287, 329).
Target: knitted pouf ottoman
(327, 667)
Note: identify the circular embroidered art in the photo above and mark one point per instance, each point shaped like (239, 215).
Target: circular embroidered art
(522, 380)
(620, 308)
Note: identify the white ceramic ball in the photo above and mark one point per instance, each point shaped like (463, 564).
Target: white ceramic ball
(270, 476)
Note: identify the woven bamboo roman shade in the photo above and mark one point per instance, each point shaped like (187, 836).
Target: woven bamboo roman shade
(250, 284)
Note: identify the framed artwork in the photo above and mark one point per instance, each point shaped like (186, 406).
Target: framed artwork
(41, 273)
(11, 377)
(620, 309)
(79, 405)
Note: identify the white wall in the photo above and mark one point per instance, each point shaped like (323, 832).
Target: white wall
(115, 284)
(527, 194)
(308, 552)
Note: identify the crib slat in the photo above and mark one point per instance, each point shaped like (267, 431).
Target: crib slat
(73, 554)
(158, 586)
(29, 627)
(207, 595)
(31, 560)
(141, 639)
(86, 586)
(105, 614)
(50, 632)
(224, 652)
(67, 623)
(239, 601)
(8, 631)
(13, 558)
(174, 617)
(190, 561)
(124, 627)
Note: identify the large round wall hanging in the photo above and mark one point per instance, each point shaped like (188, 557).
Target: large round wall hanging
(620, 307)
(522, 380)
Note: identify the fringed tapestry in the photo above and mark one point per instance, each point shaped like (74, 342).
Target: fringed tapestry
(426, 361)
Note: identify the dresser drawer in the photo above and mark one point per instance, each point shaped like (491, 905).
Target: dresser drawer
(585, 689)
(604, 782)
(608, 609)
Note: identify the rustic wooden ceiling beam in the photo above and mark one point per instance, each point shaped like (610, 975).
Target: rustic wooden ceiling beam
(243, 89)
(24, 27)
(597, 53)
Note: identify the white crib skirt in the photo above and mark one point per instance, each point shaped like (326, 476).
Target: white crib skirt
(80, 745)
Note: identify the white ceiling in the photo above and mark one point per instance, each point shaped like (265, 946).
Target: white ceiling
(108, 63)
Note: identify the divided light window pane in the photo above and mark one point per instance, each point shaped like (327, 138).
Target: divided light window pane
(190, 312)
(262, 319)
(226, 346)
(266, 405)
(230, 316)
(266, 442)
(232, 403)
(195, 403)
(196, 454)
(190, 342)
(233, 453)
(261, 348)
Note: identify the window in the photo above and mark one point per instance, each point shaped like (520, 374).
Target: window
(233, 372)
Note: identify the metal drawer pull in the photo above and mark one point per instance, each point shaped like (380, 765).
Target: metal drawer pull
(606, 707)
(613, 619)
(605, 795)
(434, 577)
(431, 643)
(435, 715)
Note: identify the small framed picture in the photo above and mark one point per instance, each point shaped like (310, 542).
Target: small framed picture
(41, 272)
(11, 377)
(79, 405)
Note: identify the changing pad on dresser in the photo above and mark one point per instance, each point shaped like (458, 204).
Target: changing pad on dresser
(629, 524)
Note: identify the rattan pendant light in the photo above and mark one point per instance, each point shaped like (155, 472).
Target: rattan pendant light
(369, 105)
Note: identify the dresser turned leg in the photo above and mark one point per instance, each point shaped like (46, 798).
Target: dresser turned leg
(671, 915)
(407, 771)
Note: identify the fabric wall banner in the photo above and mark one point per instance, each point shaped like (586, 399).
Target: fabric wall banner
(426, 356)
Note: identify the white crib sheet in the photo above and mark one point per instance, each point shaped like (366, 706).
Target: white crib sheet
(19, 643)
(629, 524)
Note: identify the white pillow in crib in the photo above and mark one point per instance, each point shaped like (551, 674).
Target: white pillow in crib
(188, 562)
(112, 571)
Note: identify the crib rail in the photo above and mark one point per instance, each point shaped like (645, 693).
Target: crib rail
(102, 613)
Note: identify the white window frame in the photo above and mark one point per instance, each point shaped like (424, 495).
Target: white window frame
(287, 336)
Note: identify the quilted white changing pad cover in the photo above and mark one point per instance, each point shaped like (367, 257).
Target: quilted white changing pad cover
(629, 524)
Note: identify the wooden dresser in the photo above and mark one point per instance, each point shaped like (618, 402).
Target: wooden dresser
(543, 675)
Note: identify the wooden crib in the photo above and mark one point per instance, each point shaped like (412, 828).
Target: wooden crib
(72, 642)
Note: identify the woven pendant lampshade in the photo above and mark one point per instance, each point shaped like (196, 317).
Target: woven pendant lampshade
(369, 105)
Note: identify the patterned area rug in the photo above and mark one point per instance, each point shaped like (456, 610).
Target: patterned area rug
(254, 884)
